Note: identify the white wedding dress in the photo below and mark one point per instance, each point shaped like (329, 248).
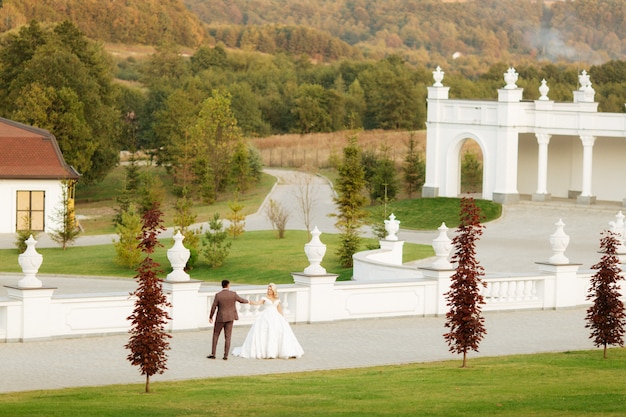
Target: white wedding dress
(270, 336)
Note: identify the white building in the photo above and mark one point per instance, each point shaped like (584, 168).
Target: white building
(32, 174)
(538, 148)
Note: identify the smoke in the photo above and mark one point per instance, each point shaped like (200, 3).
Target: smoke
(550, 45)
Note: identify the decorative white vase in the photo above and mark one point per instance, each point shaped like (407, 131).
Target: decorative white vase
(178, 256)
(315, 251)
(510, 78)
(438, 77)
(559, 241)
(543, 90)
(30, 261)
(442, 246)
(392, 226)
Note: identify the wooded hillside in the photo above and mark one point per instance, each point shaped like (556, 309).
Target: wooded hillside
(466, 35)
(590, 31)
(135, 22)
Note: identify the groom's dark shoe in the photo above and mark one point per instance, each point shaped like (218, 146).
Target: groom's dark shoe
(225, 358)
(211, 356)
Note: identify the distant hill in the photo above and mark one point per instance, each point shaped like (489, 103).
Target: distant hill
(464, 34)
(145, 22)
(591, 31)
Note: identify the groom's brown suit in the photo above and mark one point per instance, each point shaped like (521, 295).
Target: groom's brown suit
(225, 304)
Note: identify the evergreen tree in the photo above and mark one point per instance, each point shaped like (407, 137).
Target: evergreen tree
(464, 319)
(384, 183)
(67, 230)
(216, 248)
(148, 341)
(237, 219)
(606, 317)
(128, 229)
(414, 169)
(471, 173)
(350, 201)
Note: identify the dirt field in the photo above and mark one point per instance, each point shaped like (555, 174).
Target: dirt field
(323, 150)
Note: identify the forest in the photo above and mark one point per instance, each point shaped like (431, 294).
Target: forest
(466, 36)
(294, 71)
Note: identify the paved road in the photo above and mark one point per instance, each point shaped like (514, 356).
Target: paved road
(96, 361)
(512, 244)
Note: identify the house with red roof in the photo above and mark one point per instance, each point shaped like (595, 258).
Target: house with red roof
(33, 175)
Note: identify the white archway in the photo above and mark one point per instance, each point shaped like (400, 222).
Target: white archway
(583, 142)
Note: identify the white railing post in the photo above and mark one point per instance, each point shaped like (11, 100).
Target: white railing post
(35, 315)
(185, 311)
(561, 285)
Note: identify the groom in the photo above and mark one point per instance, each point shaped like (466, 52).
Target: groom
(225, 303)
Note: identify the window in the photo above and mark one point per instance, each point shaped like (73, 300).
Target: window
(30, 210)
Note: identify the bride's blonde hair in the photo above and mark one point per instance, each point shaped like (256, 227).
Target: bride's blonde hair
(274, 288)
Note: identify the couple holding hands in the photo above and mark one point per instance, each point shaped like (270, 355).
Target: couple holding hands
(269, 337)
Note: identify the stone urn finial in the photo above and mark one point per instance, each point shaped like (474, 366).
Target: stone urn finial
(392, 226)
(559, 241)
(584, 81)
(619, 228)
(438, 77)
(315, 251)
(442, 246)
(30, 261)
(178, 256)
(510, 78)
(543, 90)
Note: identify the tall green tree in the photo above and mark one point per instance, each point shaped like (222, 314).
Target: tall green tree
(60, 81)
(215, 138)
(350, 200)
(414, 168)
(66, 231)
(392, 97)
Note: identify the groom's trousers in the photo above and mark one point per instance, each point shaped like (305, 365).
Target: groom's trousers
(228, 331)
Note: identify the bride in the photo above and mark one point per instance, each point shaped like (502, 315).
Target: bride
(270, 336)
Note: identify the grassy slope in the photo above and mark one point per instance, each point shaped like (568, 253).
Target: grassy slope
(556, 384)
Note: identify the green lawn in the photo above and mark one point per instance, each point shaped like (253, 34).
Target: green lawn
(429, 213)
(572, 384)
(255, 258)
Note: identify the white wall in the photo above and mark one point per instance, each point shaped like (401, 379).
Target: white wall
(8, 197)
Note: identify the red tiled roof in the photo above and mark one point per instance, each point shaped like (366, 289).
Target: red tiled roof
(30, 153)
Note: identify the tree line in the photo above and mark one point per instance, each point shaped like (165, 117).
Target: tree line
(57, 79)
(465, 35)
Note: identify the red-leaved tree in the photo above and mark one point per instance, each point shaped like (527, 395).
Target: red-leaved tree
(148, 341)
(464, 319)
(606, 317)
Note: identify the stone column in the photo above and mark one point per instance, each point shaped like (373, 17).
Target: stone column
(320, 300)
(543, 139)
(442, 278)
(36, 316)
(585, 197)
(436, 114)
(560, 286)
(186, 313)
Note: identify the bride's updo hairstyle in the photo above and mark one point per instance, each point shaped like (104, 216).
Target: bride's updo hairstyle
(274, 288)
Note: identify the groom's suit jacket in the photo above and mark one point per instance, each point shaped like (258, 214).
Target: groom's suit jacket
(225, 303)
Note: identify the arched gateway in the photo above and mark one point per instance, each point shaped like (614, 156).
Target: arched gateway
(538, 148)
